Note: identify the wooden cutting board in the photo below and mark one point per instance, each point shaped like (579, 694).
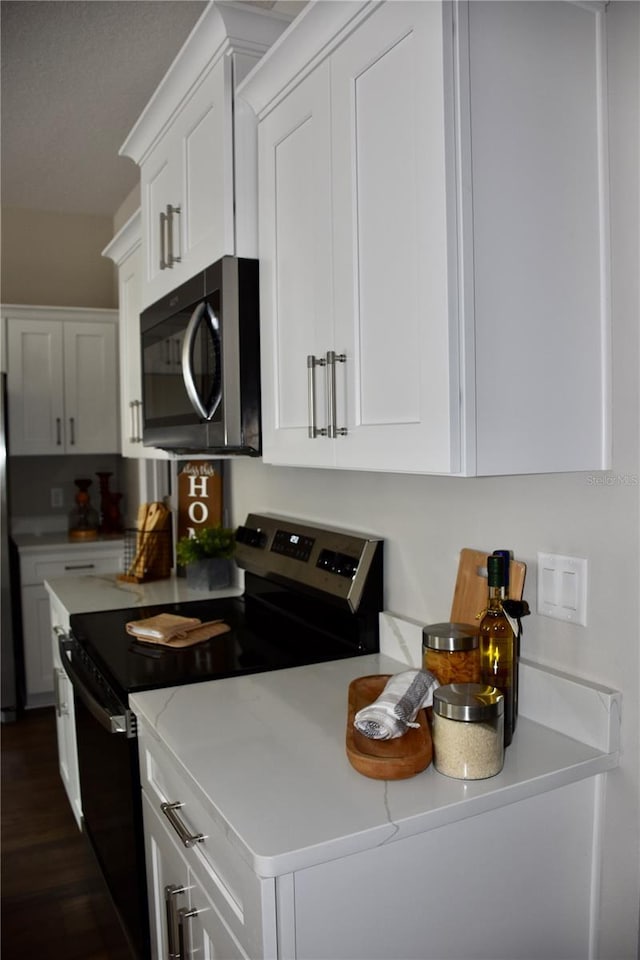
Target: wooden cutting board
(471, 589)
(394, 759)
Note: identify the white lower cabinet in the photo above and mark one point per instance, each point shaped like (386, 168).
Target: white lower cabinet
(433, 238)
(65, 715)
(36, 566)
(185, 922)
(511, 883)
(514, 881)
(36, 632)
(204, 899)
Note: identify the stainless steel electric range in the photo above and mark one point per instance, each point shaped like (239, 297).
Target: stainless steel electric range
(312, 593)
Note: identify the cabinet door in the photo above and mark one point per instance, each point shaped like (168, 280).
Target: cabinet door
(161, 190)
(205, 134)
(35, 387)
(183, 920)
(190, 171)
(537, 90)
(130, 297)
(91, 395)
(66, 734)
(38, 662)
(396, 393)
(296, 295)
(129, 302)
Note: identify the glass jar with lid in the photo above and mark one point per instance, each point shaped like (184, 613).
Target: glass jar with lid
(467, 730)
(451, 652)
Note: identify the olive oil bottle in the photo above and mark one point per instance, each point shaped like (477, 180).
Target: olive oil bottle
(498, 645)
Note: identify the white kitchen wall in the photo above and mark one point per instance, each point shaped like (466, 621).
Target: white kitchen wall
(31, 480)
(53, 259)
(427, 520)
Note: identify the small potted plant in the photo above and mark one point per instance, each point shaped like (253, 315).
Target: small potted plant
(207, 557)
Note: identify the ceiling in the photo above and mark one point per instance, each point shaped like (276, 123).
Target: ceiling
(75, 76)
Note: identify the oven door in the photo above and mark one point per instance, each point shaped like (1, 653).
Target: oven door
(110, 791)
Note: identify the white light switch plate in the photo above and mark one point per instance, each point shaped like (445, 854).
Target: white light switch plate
(562, 587)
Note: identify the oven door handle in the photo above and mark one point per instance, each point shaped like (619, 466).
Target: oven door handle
(112, 723)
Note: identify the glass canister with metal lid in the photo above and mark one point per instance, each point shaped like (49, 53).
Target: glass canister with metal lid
(451, 652)
(467, 730)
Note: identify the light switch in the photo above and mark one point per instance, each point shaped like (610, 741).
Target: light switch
(562, 587)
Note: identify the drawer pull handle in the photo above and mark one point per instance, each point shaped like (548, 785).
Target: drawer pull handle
(186, 838)
(79, 566)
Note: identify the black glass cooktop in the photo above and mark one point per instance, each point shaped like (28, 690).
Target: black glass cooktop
(286, 631)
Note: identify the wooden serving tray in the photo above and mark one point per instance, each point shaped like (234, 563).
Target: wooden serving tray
(394, 759)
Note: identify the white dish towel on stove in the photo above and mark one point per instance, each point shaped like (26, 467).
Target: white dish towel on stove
(396, 708)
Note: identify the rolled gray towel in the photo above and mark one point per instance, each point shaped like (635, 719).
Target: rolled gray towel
(396, 708)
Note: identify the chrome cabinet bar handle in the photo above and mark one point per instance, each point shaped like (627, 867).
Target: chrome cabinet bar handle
(138, 432)
(62, 708)
(59, 431)
(132, 421)
(72, 430)
(56, 691)
(311, 389)
(171, 211)
(184, 932)
(186, 838)
(332, 359)
(163, 247)
(312, 363)
(171, 891)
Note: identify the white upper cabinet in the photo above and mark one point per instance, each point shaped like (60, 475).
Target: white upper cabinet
(296, 298)
(433, 238)
(62, 380)
(192, 170)
(125, 251)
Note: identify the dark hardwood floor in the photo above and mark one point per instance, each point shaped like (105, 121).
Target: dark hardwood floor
(54, 904)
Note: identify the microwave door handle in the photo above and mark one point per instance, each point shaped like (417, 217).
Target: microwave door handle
(187, 361)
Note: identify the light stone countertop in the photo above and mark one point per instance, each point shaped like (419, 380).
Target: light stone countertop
(265, 755)
(46, 542)
(105, 592)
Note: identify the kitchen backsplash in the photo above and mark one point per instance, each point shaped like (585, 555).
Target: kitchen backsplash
(35, 483)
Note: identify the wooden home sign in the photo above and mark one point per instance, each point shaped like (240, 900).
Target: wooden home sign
(199, 496)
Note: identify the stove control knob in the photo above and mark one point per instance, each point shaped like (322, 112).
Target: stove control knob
(251, 537)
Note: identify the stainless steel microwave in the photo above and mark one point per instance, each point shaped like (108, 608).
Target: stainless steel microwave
(201, 363)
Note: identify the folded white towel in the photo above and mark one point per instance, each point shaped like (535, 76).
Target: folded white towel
(396, 708)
